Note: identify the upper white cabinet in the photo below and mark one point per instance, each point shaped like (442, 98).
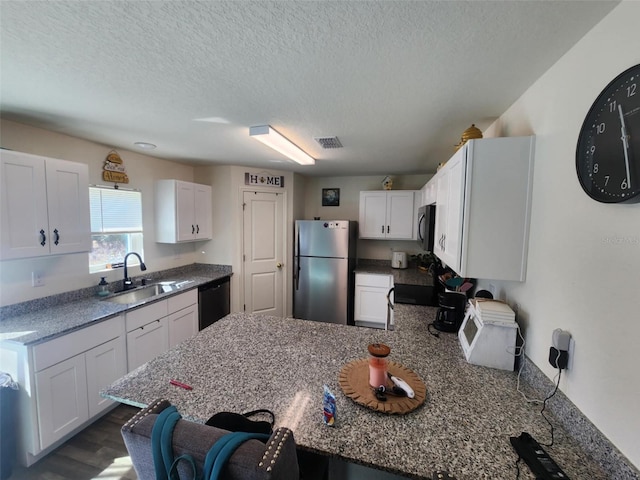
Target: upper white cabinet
(45, 206)
(483, 207)
(183, 211)
(448, 228)
(387, 214)
(428, 194)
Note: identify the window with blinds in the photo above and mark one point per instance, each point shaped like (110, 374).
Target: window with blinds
(116, 227)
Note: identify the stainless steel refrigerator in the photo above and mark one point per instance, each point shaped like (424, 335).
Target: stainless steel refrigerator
(323, 269)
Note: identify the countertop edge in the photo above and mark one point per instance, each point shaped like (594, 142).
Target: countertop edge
(44, 324)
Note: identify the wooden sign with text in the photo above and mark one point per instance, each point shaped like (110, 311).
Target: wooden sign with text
(113, 170)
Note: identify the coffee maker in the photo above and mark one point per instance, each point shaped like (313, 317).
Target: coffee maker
(451, 310)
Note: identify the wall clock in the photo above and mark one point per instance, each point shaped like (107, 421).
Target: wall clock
(608, 151)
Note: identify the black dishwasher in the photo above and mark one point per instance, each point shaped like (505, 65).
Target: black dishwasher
(214, 301)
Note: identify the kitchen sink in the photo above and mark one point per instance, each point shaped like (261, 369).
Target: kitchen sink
(140, 293)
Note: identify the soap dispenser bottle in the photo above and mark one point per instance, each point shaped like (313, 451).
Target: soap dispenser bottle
(103, 287)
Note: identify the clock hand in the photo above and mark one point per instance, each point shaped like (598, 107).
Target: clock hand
(625, 144)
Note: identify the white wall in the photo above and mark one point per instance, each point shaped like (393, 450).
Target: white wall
(350, 188)
(584, 257)
(226, 246)
(70, 272)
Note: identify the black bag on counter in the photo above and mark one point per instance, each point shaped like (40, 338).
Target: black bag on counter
(237, 422)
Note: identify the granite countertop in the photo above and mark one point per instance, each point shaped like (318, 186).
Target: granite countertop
(410, 276)
(44, 319)
(244, 362)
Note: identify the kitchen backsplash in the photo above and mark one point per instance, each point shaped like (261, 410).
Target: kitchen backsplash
(196, 269)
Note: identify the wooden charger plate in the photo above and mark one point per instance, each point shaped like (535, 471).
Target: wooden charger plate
(354, 381)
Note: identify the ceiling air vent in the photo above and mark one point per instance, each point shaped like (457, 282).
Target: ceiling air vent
(328, 142)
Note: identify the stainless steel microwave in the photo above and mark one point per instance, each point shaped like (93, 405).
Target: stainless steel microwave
(426, 226)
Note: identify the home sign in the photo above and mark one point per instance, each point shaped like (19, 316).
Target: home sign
(264, 180)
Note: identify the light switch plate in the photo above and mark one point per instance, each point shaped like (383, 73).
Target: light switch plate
(37, 279)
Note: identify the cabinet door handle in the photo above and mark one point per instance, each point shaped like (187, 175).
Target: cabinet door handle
(57, 236)
(382, 230)
(43, 238)
(387, 228)
(193, 229)
(197, 228)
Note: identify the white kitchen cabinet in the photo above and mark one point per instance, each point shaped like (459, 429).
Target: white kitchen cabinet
(483, 208)
(154, 328)
(428, 194)
(182, 325)
(387, 214)
(147, 342)
(69, 391)
(45, 206)
(183, 211)
(448, 228)
(371, 300)
(62, 399)
(105, 364)
(60, 381)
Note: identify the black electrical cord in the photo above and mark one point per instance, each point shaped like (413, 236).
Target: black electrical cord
(544, 405)
(432, 325)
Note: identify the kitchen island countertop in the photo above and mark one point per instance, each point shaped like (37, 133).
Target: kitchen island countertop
(38, 322)
(248, 361)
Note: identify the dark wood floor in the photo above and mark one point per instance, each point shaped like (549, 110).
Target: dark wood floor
(96, 452)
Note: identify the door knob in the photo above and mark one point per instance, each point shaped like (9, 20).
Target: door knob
(279, 265)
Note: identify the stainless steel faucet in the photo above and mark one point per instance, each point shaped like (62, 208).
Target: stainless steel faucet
(128, 284)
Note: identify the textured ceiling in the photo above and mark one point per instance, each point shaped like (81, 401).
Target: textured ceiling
(396, 81)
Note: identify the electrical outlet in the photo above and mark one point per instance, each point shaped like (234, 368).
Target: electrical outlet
(37, 279)
(559, 351)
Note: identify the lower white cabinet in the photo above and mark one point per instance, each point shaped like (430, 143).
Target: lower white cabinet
(153, 329)
(371, 301)
(62, 399)
(183, 324)
(105, 364)
(68, 393)
(147, 342)
(61, 379)
(60, 382)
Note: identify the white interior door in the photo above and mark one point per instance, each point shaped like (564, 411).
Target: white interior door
(263, 250)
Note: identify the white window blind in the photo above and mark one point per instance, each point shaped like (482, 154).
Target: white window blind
(114, 211)
(116, 227)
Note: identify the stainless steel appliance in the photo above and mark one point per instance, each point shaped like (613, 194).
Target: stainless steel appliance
(426, 227)
(324, 264)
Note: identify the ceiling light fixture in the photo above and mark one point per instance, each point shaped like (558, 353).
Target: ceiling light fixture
(271, 138)
(145, 145)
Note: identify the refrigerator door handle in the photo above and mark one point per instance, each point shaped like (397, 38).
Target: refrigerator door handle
(389, 308)
(297, 261)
